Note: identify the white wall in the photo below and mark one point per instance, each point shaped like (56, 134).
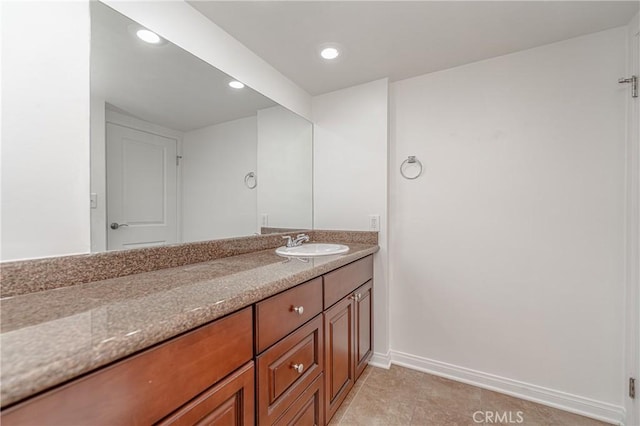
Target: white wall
(201, 37)
(350, 175)
(285, 169)
(507, 254)
(215, 201)
(45, 129)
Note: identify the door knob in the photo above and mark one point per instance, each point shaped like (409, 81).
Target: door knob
(115, 225)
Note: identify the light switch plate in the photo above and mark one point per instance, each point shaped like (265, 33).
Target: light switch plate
(94, 200)
(374, 222)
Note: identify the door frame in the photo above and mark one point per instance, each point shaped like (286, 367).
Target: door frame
(632, 230)
(123, 120)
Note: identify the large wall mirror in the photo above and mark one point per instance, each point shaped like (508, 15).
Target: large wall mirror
(178, 155)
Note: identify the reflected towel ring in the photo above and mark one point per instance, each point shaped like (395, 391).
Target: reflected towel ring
(414, 161)
(248, 178)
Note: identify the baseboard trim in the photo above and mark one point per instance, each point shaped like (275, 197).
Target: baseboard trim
(381, 360)
(564, 401)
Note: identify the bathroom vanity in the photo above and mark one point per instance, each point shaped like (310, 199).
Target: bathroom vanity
(256, 339)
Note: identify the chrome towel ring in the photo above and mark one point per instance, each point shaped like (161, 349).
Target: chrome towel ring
(411, 163)
(251, 180)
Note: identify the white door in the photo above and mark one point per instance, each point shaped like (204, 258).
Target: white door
(141, 189)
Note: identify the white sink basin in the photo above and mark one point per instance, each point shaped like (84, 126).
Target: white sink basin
(312, 250)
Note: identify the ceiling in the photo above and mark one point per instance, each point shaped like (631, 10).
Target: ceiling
(160, 84)
(401, 39)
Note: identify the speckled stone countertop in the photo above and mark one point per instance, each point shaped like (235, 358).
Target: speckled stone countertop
(52, 336)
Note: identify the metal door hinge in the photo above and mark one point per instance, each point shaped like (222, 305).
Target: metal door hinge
(178, 158)
(632, 387)
(634, 84)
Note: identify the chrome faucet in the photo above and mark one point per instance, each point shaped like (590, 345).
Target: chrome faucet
(300, 238)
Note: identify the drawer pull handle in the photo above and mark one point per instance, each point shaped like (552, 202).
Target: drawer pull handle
(298, 310)
(298, 367)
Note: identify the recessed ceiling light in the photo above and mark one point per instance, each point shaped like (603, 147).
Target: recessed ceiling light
(148, 36)
(329, 53)
(236, 84)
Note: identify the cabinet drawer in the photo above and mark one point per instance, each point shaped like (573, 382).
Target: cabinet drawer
(289, 367)
(146, 387)
(229, 402)
(281, 314)
(308, 409)
(339, 283)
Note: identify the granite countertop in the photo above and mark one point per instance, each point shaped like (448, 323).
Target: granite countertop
(50, 337)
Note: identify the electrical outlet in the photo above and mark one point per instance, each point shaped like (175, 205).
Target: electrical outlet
(265, 220)
(374, 222)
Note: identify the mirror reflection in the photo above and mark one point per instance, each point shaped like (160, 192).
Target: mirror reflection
(180, 152)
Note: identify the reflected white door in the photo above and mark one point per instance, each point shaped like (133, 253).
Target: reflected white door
(141, 189)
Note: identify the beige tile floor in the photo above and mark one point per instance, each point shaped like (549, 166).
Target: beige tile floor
(400, 396)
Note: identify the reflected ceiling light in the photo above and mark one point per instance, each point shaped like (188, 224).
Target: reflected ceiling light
(236, 84)
(329, 53)
(148, 36)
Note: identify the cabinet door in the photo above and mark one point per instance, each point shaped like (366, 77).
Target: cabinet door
(229, 403)
(339, 350)
(364, 335)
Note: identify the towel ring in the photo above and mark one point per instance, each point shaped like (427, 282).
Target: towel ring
(411, 160)
(248, 178)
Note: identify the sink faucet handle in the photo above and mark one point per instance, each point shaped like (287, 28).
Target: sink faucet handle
(301, 238)
(289, 240)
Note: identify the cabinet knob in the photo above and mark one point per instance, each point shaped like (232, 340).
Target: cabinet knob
(355, 296)
(298, 309)
(298, 367)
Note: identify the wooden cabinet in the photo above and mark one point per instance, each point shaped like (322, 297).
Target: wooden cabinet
(311, 344)
(287, 369)
(279, 315)
(363, 298)
(308, 409)
(348, 329)
(336, 345)
(229, 403)
(145, 388)
(290, 360)
(343, 281)
(339, 346)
